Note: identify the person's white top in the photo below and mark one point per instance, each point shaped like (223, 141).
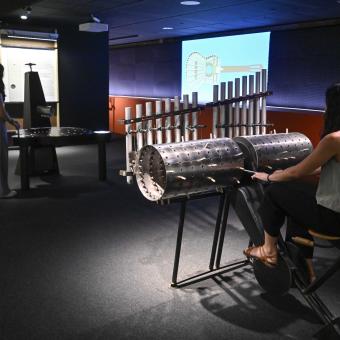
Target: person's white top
(328, 193)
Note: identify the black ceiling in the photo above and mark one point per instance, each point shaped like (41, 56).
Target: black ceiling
(143, 20)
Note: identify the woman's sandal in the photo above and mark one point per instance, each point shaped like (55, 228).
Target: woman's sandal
(268, 260)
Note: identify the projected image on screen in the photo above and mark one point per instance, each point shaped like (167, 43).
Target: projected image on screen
(206, 62)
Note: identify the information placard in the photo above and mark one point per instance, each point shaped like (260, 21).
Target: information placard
(14, 60)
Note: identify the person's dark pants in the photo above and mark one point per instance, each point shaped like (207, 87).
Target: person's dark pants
(297, 202)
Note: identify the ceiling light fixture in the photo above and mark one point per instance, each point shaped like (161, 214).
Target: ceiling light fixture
(167, 28)
(95, 19)
(190, 3)
(94, 25)
(27, 12)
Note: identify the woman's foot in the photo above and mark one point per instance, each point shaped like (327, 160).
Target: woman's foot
(10, 194)
(268, 258)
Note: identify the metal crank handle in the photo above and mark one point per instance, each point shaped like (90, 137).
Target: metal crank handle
(248, 171)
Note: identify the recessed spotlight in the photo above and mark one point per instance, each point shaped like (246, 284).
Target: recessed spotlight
(167, 28)
(190, 3)
(26, 13)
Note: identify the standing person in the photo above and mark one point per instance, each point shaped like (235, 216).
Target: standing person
(5, 192)
(304, 207)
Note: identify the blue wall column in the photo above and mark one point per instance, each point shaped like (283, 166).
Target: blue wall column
(83, 78)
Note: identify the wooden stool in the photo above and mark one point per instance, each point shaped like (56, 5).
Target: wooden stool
(308, 243)
(323, 236)
(330, 271)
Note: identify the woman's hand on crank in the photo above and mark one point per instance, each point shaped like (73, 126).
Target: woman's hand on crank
(15, 123)
(265, 177)
(260, 176)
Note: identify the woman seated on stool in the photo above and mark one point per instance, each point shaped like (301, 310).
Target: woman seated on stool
(304, 206)
(5, 192)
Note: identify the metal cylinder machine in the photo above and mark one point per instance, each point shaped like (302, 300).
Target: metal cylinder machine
(165, 171)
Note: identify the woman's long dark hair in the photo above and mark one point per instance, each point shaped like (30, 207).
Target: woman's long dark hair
(2, 85)
(332, 114)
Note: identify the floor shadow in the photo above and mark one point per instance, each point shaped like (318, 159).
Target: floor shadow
(241, 303)
(60, 187)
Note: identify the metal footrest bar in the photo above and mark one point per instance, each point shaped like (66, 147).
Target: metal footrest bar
(230, 266)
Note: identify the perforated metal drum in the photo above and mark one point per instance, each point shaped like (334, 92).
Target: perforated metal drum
(179, 169)
(274, 151)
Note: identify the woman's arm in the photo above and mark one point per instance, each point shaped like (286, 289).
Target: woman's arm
(315, 172)
(326, 149)
(3, 114)
(5, 117)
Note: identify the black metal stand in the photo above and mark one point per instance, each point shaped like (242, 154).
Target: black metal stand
(331, 329)
(218, 239)
(223, 229)
(217, 229)
(179, 241)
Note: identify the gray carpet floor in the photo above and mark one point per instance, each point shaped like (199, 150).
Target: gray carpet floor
(83, 259)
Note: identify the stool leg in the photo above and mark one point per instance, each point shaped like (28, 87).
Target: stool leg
(319, 281)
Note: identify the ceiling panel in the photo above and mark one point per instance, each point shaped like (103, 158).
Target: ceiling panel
(144, 19)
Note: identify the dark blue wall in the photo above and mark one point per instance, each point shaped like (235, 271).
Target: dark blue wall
(83, 78)
(302, 64)
(150, 71)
